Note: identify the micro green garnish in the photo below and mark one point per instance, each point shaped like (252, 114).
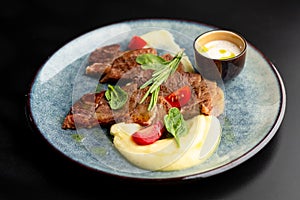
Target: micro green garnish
(116, 96)
(162, 70)
(175, 124)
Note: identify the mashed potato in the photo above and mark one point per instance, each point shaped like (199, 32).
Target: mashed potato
(165, 155)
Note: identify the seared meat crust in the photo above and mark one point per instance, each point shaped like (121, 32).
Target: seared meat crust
(123, 64)
(93, 109)
(102, 58)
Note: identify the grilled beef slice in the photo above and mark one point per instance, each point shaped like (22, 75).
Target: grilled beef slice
(206, 98)
(93, 109)
(140, 76)
(102, 58)
(123, 64)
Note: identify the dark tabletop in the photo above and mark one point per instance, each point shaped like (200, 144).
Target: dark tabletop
(32, 32)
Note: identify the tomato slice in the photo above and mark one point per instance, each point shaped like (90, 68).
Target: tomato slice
(149, 134)
(180, 97)
(136, 42)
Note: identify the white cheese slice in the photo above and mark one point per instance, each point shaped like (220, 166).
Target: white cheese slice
(164, 40)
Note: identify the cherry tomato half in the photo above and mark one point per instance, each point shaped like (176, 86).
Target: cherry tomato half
(180, 97)
(149, 134)
(136, 42)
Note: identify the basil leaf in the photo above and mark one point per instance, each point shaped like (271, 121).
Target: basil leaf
(175, 124)
(116, 97)
(150, 61)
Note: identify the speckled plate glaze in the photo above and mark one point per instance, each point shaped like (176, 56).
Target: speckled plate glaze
(258, 88)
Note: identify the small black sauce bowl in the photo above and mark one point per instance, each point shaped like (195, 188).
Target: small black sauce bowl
(216, 69)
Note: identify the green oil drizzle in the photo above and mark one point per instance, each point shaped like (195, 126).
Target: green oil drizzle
(100, 151)
(227, 57)
(203, 49)
(77, 137)
(222, 51)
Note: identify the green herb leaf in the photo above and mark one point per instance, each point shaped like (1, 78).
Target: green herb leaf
(150, 61)
(175, 124)
(162, 70)
(116, 96)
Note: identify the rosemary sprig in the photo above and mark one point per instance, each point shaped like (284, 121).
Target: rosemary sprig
(162, 70)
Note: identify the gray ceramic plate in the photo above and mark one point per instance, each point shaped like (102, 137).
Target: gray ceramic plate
(255, 103)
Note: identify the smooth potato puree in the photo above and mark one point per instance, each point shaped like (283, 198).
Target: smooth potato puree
(165, 155)
(202, 148)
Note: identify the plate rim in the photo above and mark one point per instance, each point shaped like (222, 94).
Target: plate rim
(208, 173)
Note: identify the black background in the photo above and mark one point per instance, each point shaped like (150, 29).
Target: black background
(32, 31)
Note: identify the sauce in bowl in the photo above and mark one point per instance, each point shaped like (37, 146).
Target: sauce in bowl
(220, 54)
(219, 49)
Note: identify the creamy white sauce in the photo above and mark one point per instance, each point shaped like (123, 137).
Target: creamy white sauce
(220, 49)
